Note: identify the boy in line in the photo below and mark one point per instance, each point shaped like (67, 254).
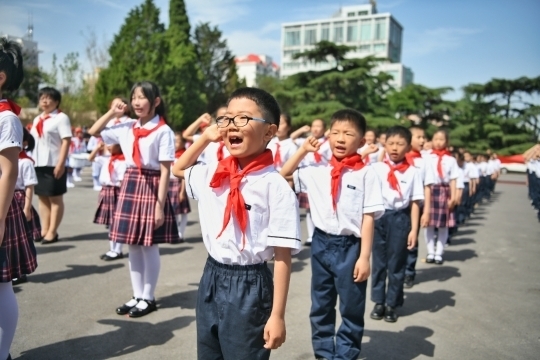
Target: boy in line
(240, 309)
(345, 198)
(396, 231)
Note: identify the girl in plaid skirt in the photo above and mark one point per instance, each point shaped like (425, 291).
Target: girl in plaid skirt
(144, 216)
(113, 167)
(177, 191)
(17, 252)
(443, 197)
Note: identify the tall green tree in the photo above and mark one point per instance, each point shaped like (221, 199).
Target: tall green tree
(182, 77)
(217, 64)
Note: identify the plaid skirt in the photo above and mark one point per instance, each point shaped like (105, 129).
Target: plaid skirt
(35, 223)
(108, 197)
(440, 215)
(179, 207)
(303, 201)
(133, 220)
(17, 252)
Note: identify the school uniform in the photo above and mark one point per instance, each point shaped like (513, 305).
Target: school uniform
(236, 276)
(17, 251)
(215, 151)
(175, 185)
(337, 212)
(27, 177)
(112, 173)
(533, 173)
(440, 216)
(133, 221)
(371, 158)
(470, 175)
(49, 131)
(282, 150)
(389, 251)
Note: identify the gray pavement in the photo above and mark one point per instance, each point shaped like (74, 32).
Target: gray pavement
(483, 303)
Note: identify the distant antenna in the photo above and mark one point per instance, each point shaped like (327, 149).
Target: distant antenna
(30, 30)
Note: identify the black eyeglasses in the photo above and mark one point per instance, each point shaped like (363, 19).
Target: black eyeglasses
(238, 120)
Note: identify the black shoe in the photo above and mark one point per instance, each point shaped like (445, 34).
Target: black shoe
(9, 357)
(430, 259)
(135, 312)
(20, 280)
(102, 257)
(111, 258)
(390, 314)
(378, 312)
(438, 260)
(46, 242)
(124, 309)
(409, 282)
(39, 239)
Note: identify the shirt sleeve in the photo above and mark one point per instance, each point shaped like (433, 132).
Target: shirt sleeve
(195, 178)
(284, 221)
(418, 188)
(299, 177)
(64, 126)
(429, 173)
(460, 184)
(111, 134)
(166, 146)
(454, 171)
(373, 200)
(11, 132)
(28, 173)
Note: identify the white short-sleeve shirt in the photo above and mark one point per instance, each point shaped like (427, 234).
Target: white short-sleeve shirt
(425, 168)
(460, 181)
(55, 129)
(449, 168)
(359, 194)
(410, 185)
(272, 212)
(287, 148)
(157, 146)
(27, 174)
(11, 131)
(325, 151)
(470, 172)
(110, 179)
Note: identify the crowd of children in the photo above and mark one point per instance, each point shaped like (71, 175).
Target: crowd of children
(366, 197)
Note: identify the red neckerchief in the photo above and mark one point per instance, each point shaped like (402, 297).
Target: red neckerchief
(316, 155)
(24, 155)
(411, 155)
(392, 179)
(179, 153)
(10, 105)
(112, 160)
(39, 125)
(277, 158)
(139, 133)
(440, 154)
(220, 155)
(350, 162)
(228, 169)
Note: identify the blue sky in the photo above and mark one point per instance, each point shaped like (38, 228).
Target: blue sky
(446, 43)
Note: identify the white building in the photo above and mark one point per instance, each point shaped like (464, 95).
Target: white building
(251, 66)
(29, 46)
(372, 33)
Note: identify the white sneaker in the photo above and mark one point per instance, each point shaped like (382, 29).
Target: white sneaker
(77, 179)
(69, 184)
(97, 188)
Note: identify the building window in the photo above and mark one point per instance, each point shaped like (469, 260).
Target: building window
(292, 36)
(365, 30)
(380, 29)
(310, 36)
(325, 32)
(352, 31)
(378, 48)
(393, 73)
(364, 48)
(362, 13)
(351, 14)
(338, 32)
(290, 53)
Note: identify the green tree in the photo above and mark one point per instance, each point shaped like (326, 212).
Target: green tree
(217, 64)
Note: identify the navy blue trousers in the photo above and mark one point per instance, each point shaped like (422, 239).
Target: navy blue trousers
(462, 210)
(412, 255)
(233, 305)
(332, 265)
(389, 257)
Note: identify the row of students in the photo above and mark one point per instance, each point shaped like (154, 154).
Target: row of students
(532, 158)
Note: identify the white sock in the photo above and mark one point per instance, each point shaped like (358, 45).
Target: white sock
(117, 247)
(111, 245)
(152, 265)
(310, 226)
(77, 173)
(442, 238)
(142, 305)
(132, 302)
(136, 270)
(9, 315)
(181, 222)
(429, 234)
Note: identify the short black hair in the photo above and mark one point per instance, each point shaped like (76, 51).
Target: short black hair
(50, 92)
(151, 92)
(29, 139)
(321, 120)
(400, 131)
(351, 115)
(11, 63)
(267, 104)
(445, 133)
(416, 127)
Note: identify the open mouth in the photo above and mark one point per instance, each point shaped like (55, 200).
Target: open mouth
(340, 148)
(235, 140)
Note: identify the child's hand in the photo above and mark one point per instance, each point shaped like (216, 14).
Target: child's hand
(370, 149)
(28, 214)
(213, 133)
(305, 129)
(118, 107)
(205, 119)
(159, 217)
(361, 270)
(274, 332)
(424, 220)
(411, 240)
(311, 144)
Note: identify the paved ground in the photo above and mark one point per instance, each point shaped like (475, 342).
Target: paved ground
(483, 303)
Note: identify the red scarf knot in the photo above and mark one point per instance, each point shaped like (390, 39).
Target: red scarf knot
(220, 155)
(411, 155)
(392, 179)
(112, 160)
(440, 154)
(317, 155)
(140, 133)
(179, 153)
(228, 169)
(277, 158)
(24, 155)
(10, 105)
(349, 162)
